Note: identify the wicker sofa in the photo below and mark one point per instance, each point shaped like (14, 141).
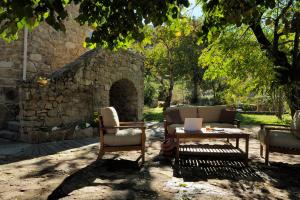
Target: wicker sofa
(215, 116)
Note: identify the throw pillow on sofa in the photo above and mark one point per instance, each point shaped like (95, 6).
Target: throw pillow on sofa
(227, 116)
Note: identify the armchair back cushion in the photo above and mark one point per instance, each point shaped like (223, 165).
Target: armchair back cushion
(296, 124)
(173, 116)
(110, 118)
(188, 112)
(210, 113)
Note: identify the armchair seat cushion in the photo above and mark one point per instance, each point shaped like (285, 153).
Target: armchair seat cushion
(280, 138)
(124, 137)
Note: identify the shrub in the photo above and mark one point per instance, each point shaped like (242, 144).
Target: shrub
(150, 95)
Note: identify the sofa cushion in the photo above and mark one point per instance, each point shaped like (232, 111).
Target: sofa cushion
(110, 118)
(296, 124)
(280, 138)
(210, 113)
(218, 125)
(125, 137)
(227, 116)
(171, 128)
(188, 112)
(173, 116)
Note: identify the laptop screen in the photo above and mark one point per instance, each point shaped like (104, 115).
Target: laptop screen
(193, 124)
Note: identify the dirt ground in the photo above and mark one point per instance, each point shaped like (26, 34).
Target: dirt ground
(75, 174)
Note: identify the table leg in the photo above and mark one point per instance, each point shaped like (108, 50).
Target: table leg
(237, 142)
(247, 149)
(177, 150)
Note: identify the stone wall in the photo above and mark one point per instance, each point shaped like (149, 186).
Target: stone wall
(72, 94)
(48, 50)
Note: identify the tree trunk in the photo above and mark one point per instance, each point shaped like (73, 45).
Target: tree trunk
(280, 106)
(293, 97)
(167, 103)
(287, 74)
(195, 99)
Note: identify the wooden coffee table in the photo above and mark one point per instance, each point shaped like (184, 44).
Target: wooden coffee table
(227, 133)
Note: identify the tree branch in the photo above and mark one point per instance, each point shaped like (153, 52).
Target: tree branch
(276, 24)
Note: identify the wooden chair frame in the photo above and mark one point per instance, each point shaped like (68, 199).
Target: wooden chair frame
(123, 125)
(269, 148)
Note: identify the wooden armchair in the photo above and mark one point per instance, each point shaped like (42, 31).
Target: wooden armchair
(280, 138)
(120, 136)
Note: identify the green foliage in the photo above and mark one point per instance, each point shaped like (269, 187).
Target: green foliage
(150, 94)
(234, 59)
(153, 114)
(254, 119)
(276, 27)
(115, 23)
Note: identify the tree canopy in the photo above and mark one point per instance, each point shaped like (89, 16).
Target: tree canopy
(276, 26)
(114, 22)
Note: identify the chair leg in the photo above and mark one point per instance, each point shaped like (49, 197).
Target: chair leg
(143, 154)
(267, 155)
(101, 153)
(261, 150)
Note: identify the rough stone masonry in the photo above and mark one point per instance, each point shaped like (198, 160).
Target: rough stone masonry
(72, 94)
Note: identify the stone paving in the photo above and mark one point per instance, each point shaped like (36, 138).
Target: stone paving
(68, 170)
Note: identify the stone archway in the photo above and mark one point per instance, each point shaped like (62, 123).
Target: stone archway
(124, 97)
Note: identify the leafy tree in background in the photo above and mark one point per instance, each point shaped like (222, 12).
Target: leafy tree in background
(162, 57)
(114, 23)
(276, 27)
(232, 60)
(187, 54)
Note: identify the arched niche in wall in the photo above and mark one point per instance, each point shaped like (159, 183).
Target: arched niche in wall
(123, 97)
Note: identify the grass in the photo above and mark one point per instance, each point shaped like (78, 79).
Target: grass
(156, 114)
(153, 114)
(254, 119)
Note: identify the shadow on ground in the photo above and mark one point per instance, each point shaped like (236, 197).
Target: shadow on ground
(24, 151)
(123, 177)
(197, 169)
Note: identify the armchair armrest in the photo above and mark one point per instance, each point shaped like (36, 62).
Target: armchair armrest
(122, 127)
(263, 125)
(280, 129)
(130, 123)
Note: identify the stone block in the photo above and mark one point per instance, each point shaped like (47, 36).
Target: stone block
(57, 135)
(50, 121)
(6, 64)
(31, 123)
(31, 67)
(52, 113)
(83, 133)
(106, 87)
(48, 106)
(35, 57)
(59, 99)
(70, 45)
(51, 98)
(29, 113)
(54, 104)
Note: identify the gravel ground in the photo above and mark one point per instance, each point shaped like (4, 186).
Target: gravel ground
(74, 173)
